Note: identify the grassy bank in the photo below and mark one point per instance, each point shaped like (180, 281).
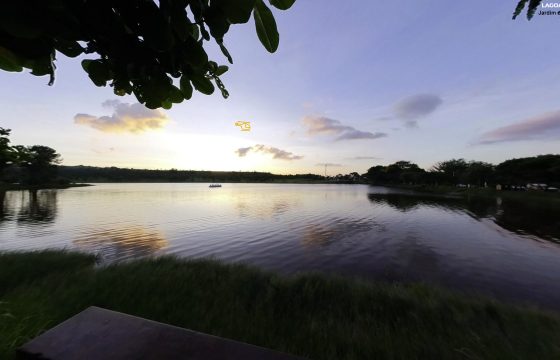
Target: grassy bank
(309, 315)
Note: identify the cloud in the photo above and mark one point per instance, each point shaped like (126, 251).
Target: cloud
(242, 152)
(365, 158)
(325, 126)
(276, 153)
(103, 150)
(544, 126)
(417, 106)
(357, 134)
(329, 164)
(384, 118)
(411, 124)
(131, 118)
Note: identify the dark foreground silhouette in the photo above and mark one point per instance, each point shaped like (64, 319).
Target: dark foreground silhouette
(313, 316)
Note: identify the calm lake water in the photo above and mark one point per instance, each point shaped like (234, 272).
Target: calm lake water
(495, 246)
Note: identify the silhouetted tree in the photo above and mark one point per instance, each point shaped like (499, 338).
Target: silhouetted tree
(452, 171)
(377, 175)
(7, 155)
(533, 5)
(114, 174)
(404, 172)
(137, 46)
(478, 173)
(538, 169)
(39, 162)
(354, 176)
(399, 172)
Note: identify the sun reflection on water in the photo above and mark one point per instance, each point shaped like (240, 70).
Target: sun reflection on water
(129, 242)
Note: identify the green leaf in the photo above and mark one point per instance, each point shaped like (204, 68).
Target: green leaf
(98, 71)
(9, 61)
(86, 64)
(217, 22)
(519, 8)
(180, 23)
(282, 4)
(202, 84)
(121, 86)
(119, 91)
(186, 87)
(154, 27)
(238, 11)
(203, 32)
(176, 95)
(153, 104)
(166, 104)
(195, 32)
(68, 48)
(266, 26)
(225, 51)
(195, 54)
(221, 70)
(43, 65)
(212, 65)
(533, 5)
(19, 19)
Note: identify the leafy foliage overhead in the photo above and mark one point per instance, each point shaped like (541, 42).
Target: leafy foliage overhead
(137, 46)
(533, 5)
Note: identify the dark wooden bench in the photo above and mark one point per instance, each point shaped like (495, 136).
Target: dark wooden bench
(98, 334)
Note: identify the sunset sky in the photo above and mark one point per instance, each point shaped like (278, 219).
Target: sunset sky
(353, 84)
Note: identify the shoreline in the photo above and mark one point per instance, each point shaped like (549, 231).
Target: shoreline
(440, 190)
(16, 187)
(447, 190)
(311, 315)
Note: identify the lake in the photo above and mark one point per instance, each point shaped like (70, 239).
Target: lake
(504, 247)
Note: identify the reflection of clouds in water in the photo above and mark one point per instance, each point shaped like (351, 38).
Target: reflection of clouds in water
(317, 235)
(337, 229)
(263, 210)
(123, 243)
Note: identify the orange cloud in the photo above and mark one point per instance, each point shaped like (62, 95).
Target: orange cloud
(126, 118)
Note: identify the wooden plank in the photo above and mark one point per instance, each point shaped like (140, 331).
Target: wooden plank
(97, 334)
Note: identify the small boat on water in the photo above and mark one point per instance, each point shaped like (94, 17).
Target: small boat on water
(215, 185)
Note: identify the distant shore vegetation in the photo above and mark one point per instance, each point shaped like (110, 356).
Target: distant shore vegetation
(510, 174)
(39, 166)
(114, 174)
(542, 169)
(27, 166)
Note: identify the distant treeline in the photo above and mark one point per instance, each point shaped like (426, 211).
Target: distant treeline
(114, 174)
(29, 165)
(37, 165)
(539, 169)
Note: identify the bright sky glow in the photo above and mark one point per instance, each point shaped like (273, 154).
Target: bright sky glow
(355, 83)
